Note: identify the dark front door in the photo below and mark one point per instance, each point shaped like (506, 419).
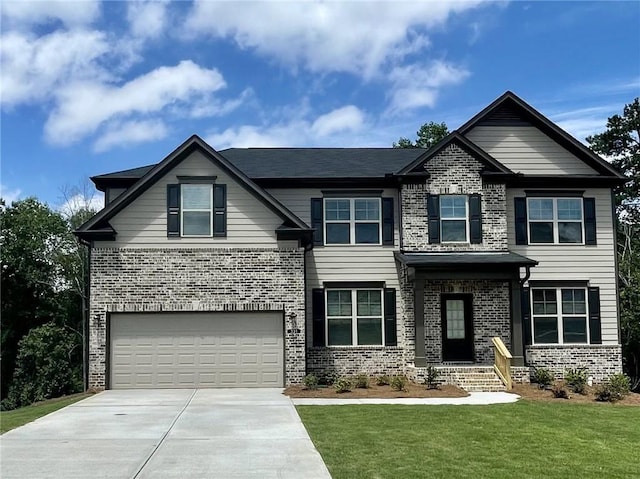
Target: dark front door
(457, 327)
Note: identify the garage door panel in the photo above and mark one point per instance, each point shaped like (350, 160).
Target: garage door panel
(169, 350)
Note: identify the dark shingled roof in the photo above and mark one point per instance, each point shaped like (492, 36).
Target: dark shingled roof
(306, 162)
(463, 259)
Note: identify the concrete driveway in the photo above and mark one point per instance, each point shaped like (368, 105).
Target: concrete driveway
(177, 433)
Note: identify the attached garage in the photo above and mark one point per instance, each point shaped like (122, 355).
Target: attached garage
(196, 350)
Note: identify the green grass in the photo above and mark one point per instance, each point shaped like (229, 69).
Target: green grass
(18, 417)
(522, 440)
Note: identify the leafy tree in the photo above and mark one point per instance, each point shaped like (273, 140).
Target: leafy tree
(31, 238)
(44, 367)
(621, 142)
(428, 135)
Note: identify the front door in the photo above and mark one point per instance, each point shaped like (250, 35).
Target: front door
(457, 327)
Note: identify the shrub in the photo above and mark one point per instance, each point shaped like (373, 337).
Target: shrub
(560, 392)
(431, 378)
(383, 380)
(543, 377)
(576, 379)
(361, 381)
(614, 389)
(342, 385)
(310, 381)
(43, 367)
(399, 383)
(328, 378)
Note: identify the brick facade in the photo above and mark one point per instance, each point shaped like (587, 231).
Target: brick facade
(131, 280)
(601, 360)
(453, 167)
(491, 316)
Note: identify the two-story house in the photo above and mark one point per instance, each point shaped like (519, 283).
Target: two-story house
(255, 266)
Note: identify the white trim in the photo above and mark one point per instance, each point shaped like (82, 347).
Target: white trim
(354, 318)
(555, 220)
(188, 210)
(466, 220)
(559, 315)
(352, 221)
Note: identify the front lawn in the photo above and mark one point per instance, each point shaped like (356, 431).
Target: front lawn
(18, 417)
(524, 440)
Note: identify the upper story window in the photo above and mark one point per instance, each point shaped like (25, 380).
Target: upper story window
(197, 209)
(555, 220)
(559, 315)
(454, 220)
(352, 220)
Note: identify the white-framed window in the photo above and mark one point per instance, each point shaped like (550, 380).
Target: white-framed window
(559, 316)
(354, 317)
(454, 219)
(555, 220)
(352, 221)
(196, 209)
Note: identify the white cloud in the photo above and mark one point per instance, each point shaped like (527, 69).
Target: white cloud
(347, 118)
(335, 128)
(9, 195)
(25, 13)
(354, 37)
(82, 107)
(32, 69)
(417, 86)
(147, 18)
(129, 133)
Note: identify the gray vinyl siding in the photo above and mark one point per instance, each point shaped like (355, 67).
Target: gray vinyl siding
(595, 264)
(525, 149)
(344, 263)
(143, 223)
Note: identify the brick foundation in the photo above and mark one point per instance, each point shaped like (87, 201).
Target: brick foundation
(601, 360)
(355, 360)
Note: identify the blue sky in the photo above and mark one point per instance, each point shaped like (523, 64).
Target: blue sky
(92, 87)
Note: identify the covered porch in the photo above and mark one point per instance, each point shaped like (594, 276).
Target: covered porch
(460, 302)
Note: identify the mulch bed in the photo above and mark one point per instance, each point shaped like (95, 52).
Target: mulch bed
(534, 393)
(413, 390)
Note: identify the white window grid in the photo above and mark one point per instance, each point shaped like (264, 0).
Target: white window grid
(457, 218)
(354, 317)
(187, 210)
(555, 220)
(559, 315)
(352, 221)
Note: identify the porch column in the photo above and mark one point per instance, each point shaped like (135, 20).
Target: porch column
(517, 348)
(418, 314)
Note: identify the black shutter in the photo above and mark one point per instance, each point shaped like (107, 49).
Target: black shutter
(526, 314)
(589, 206)
(387, 221)
(390, 334)
(317, 304)
(595, 327)
(173, 210)
(433, 210)
(316, 221)
(219, 210)
(521, 220)
(475, 218)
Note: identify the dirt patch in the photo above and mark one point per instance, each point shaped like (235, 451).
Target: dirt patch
(533, 392)
(413, 390)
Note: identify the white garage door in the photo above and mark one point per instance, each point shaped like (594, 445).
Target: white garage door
(196, 350)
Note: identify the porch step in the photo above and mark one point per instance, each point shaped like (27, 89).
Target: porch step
(472, 378)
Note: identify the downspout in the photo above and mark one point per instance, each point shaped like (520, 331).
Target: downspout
(527, 275)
